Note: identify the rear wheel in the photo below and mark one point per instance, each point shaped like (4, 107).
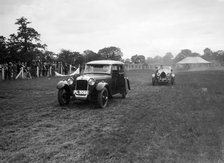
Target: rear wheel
(63, 97)
(103, 98)
(172, 81)
(124, 94)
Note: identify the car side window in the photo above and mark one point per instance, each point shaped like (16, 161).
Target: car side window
(114, 68)
(121, 69)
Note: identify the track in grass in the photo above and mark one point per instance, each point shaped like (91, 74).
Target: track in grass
(180, 123)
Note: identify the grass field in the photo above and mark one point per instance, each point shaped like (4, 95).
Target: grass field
(180, 123)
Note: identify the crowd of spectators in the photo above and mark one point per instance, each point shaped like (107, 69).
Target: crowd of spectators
(34, 69)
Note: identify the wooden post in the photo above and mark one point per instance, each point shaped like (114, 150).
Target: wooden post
(61, 68)
(3, 73)
(22, 72)
(50, 73)
(70, 69)
(38, 74)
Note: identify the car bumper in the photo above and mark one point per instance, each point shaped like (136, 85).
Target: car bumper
(81, 94)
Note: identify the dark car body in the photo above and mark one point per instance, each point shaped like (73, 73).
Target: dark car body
(100, 80)
(163, 75)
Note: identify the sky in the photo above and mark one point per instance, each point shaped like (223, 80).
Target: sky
(143, 27)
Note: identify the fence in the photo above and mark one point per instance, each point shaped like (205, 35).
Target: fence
(139, 66)
(33, 72)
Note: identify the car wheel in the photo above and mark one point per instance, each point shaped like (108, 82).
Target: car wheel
(172, 81)
(153, 82)
(63, 97)
(103, 98)
(124, 94)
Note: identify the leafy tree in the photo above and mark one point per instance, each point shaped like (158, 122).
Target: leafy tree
(127, 60)
(46, 56)
(113, 53)
(66, 56)
(138, 59)
(195, 54)
(26, 42)
(149, 60)
(208, 54)
(79, 59)
(158, 60)
(168, 58)
(3, 50)
(91, 55)
(73, 58)
(183, 54)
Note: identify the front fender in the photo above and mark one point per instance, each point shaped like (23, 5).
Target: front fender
(101, 85)
(62, 84)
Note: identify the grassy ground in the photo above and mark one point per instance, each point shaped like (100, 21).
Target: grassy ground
(180, 123)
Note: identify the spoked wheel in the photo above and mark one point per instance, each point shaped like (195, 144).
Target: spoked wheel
(63, 97)
(103, 98)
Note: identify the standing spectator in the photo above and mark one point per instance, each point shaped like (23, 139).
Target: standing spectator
(66, 68)
(14, 68)
(44, 69)
(10, 70)
(6, 70)
(47, 69)
(33, 69)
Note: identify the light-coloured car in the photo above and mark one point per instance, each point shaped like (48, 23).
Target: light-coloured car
(163, 74)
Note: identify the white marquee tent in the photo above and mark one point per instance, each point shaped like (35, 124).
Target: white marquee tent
(193, 63)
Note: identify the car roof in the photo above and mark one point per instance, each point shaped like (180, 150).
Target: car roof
(107, 62)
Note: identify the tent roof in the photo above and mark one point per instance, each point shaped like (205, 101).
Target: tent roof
(190, 60)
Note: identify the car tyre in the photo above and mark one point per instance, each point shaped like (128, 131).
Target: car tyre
(63, 97)
(124, 94)
(153, 82)
(172, 81)
(103, 98)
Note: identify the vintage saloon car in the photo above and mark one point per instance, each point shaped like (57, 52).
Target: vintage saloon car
(164, 74)
(99, 81)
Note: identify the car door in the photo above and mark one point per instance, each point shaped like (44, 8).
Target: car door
(115, 73)
(121, 79)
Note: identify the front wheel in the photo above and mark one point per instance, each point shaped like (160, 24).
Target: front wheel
(63, 97)
(103, 98)
(153, 82)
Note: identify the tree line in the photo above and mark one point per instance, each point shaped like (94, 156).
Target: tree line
(26, 46)
(169, 59)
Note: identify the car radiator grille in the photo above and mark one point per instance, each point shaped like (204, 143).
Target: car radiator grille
(81, 85)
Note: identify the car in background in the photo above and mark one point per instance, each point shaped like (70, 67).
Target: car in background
(163, 75)
(100, 80)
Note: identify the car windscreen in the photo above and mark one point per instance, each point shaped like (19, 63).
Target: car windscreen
(164, 70)
(97, 68)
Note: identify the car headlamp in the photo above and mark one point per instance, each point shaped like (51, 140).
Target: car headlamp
(153, 75)
(70, 81)
(91, 81)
